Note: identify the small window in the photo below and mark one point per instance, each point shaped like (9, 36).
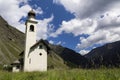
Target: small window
(29, 60)
(31, 28)
(40, 54)
(40, 47)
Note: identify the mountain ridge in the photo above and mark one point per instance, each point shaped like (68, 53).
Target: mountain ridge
(107, 55)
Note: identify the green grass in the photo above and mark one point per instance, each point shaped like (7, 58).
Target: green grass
(73, 74)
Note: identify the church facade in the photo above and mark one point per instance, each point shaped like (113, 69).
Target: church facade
(35, 53)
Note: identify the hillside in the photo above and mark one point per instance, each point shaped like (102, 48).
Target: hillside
(12, 44)
(107, 55)
(70, 57)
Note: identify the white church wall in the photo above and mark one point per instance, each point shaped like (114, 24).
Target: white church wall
(38, 59)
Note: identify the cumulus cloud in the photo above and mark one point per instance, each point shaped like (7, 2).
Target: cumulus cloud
(83, 52)
(100, 19)
(109, 20)
(77, 27)
(37, 9)
(86, 8)
(107, 30)
(99, 37)
(44, 28)
(13, 10)
(100, 31)
(51, 42)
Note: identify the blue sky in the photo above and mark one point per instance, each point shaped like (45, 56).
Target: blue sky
(75, 24)
(49, 8)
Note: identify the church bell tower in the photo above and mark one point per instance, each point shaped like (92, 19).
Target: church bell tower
(30, 37)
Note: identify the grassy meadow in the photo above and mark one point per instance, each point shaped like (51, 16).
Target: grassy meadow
(73, 74)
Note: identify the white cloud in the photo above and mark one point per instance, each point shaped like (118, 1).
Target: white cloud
(38, 10)
(83, 52)
(60, 43)
(87, 8)
(24, 1)
(107, 31)
(77, 27)
(12, 13)
(13, 10)
(100, 19)
(109, 20)
(100, 31)
(99, 37)
(51, 42)
(44, 28)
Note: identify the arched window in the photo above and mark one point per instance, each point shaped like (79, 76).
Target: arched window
(31, 28)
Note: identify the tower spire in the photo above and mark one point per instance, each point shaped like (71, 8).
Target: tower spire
(31, 14)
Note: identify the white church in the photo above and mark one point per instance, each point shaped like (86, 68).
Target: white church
(35, 53)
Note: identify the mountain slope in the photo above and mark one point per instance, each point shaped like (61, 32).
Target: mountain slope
(11, 42)
(70, 57)
(55, 61)
(107, 55)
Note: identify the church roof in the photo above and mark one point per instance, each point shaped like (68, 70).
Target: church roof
(41, 41)
(16, 62)
(45, 42)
